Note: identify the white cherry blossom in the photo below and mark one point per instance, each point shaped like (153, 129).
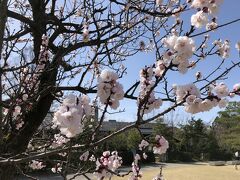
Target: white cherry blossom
(199, 19)
(161, 145)
(143, 144)
(221, 90)
(109, 90)
(35, 165)
(70, 115)
(223, 103)
(108, 161)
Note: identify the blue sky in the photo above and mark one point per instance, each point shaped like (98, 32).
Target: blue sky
(228, 12)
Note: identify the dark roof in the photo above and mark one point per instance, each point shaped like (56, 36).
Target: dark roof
(113, 125)
(107, 126)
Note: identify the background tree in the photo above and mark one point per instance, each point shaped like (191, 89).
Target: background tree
(195, 138)
(226, 127)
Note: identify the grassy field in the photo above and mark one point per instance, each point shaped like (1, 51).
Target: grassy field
(193, 172)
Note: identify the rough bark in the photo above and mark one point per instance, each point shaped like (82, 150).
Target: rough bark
(7, 172)
(3, 18)
(16, 142)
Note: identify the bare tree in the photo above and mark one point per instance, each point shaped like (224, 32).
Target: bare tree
(51, 47)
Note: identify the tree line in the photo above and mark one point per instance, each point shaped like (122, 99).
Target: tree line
(192, 141)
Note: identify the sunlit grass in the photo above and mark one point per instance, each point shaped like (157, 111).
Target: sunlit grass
(193, 172)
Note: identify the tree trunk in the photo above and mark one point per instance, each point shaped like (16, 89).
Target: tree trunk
(8, 172)
(3, 18)
(15, 142)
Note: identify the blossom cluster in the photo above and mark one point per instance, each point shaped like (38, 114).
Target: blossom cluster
(84, 156)
(35, 165)
(183, 90)
(143, 144)
(161, 145)
(109, 90)
(85, 33)
(223, 48)
(194, 103)
(181, 48)
(198, 75)
(136, 173)
(59, 140)
(236, 89)
(16, 114)
(70, 115)
(19, 107)
(221, 90)
(30, 80)
(106, 163)
(205, 8)
(146, 84)
(44, 54)
(160, 68)
(57, 168)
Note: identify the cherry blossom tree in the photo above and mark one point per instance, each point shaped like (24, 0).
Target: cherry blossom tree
(72, 53)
